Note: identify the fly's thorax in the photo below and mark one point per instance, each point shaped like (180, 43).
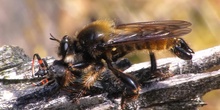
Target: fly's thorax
(94, 35)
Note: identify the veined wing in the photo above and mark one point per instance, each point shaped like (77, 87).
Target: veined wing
(146, 31)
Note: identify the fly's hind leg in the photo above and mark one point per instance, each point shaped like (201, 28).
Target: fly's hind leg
(154, 70)
(132, 87)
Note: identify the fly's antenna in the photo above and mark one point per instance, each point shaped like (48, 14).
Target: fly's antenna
(53, 38)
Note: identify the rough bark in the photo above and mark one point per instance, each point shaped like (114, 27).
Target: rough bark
(191, 80)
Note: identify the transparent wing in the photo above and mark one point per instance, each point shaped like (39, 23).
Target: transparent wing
(146, 31)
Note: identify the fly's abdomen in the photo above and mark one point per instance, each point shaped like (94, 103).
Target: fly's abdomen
(161, 44)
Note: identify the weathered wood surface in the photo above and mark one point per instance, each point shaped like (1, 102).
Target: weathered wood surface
(192, 79)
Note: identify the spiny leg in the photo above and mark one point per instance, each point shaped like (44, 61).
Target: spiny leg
(43, 68)
(43, 82)
(90, 76)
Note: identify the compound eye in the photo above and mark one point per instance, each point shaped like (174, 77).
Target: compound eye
(65, 39)
(64, 45)
(65, 42)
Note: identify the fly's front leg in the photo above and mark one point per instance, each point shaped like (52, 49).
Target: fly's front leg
(90, 75)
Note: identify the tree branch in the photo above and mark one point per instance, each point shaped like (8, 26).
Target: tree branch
(192, 79)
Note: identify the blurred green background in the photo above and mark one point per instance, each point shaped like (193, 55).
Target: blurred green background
(28, 23)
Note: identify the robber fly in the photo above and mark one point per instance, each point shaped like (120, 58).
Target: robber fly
(102, 43)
